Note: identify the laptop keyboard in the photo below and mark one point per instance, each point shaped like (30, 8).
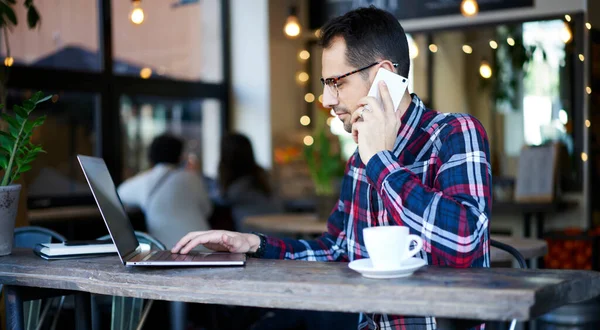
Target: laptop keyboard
(168, 256)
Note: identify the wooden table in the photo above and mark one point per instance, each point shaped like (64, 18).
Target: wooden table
(309, 224)
(492, 294)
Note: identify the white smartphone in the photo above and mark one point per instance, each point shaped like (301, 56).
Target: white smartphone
(396, 84)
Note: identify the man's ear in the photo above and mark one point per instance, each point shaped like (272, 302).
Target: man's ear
(386, 64)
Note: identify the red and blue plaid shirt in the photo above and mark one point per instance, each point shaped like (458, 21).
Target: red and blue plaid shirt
(436, 181)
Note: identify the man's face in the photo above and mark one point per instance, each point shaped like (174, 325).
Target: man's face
(351, 89)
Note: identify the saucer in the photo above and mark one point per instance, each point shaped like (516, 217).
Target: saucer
(365, 267)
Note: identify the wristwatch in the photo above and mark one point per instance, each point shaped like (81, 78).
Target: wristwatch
(261, 247)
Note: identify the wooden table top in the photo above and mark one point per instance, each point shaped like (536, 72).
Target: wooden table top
(69, 212)
(309, 224)
(475, 293)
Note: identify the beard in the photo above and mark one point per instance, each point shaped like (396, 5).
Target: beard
(347, 123)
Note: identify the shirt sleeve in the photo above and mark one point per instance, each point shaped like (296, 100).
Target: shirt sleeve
(452, 217)
(331, 246)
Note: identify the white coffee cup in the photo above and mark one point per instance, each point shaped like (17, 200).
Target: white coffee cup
(389, 246)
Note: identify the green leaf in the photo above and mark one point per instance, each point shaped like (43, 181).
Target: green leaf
(8, 12)
(33, 17)
(39, 121)
(29, 105)
(7, 136)
(24, 168)
(3, 161)
(21, 113)
(11, 121)
(44, 99)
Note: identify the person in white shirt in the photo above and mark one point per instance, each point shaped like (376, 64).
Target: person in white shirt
(174, 200)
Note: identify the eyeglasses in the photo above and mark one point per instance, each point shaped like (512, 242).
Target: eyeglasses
(332, 83)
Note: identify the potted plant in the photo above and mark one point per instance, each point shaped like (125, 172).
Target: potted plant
(16, 154)
(325, 166)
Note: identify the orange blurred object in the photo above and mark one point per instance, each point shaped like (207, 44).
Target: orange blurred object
(572, 248)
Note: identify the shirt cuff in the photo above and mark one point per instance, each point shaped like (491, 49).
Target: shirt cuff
(380, 166)
(274, 248)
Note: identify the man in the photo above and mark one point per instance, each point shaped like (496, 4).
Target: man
(415, 167)
(174, 200)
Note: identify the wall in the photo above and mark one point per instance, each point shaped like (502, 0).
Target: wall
(449, 74)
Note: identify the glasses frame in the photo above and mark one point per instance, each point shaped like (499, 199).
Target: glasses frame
(332, 82)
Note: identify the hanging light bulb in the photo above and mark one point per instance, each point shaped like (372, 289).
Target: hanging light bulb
(469, 8)
(9, 60)
(565, 34)
(292, 26)
(137, 13)
(485, 70)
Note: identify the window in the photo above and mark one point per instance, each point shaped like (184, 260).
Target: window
(177, 40)
(67, 132)
(67, 37)
(196, 121)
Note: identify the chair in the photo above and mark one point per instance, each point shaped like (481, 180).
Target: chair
(121, 317)
(520, 259)
(28, 237)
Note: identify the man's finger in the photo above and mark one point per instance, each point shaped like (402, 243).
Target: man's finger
(207, 237)
(355, 130)
(388, 103)
(356, 115)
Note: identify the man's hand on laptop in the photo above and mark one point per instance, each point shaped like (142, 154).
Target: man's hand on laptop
(218, 240)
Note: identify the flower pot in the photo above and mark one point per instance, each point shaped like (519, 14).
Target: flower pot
(9, 204)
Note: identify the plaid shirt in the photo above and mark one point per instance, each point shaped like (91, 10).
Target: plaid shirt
(436, 181)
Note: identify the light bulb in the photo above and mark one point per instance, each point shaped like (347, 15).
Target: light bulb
(467, 49)
(137, 13)
(469, 8)
(308, 140)
(292, 26)
(433, 48)
(568, 18)
(485, 70)
(8, 61)
(304, 55)
(588, 25)
(510, 41)
(309, 97)
(145, 73)
(305, 120)
(493, 44)
(565, 34)
(302, 77)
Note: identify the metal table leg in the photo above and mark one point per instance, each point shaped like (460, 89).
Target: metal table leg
(14, 308)
(82, 311)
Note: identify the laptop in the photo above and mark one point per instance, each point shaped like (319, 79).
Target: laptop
(121, 231)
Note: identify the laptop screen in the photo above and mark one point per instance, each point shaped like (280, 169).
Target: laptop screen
(113, 212)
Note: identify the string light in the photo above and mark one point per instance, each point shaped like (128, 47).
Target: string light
(588, 25)
(510, 41)
(308, 140)
(136, 16)
(303, 77)
(565, 33)
(467, 49)
(329, 121)
(433, 48)
(309, 97)
(584, 156)
(305, 120)
(588, 90)
(493, 44)
(588, 123)
(568, 18)
(321, 98)
(485, 70)
(413, 49)
(304, 55)
(581, 57)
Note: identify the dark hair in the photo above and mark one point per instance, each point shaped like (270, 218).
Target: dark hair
(237, 160)
(165, 148)
(370, 34)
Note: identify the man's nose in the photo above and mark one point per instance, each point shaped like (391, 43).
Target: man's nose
(329, 99)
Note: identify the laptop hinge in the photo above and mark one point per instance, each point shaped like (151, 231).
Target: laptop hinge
(137, 250)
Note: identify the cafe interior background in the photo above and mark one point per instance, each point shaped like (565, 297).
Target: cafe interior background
(528, 70)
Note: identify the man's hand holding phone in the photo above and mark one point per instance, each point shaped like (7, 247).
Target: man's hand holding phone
(379, 126)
